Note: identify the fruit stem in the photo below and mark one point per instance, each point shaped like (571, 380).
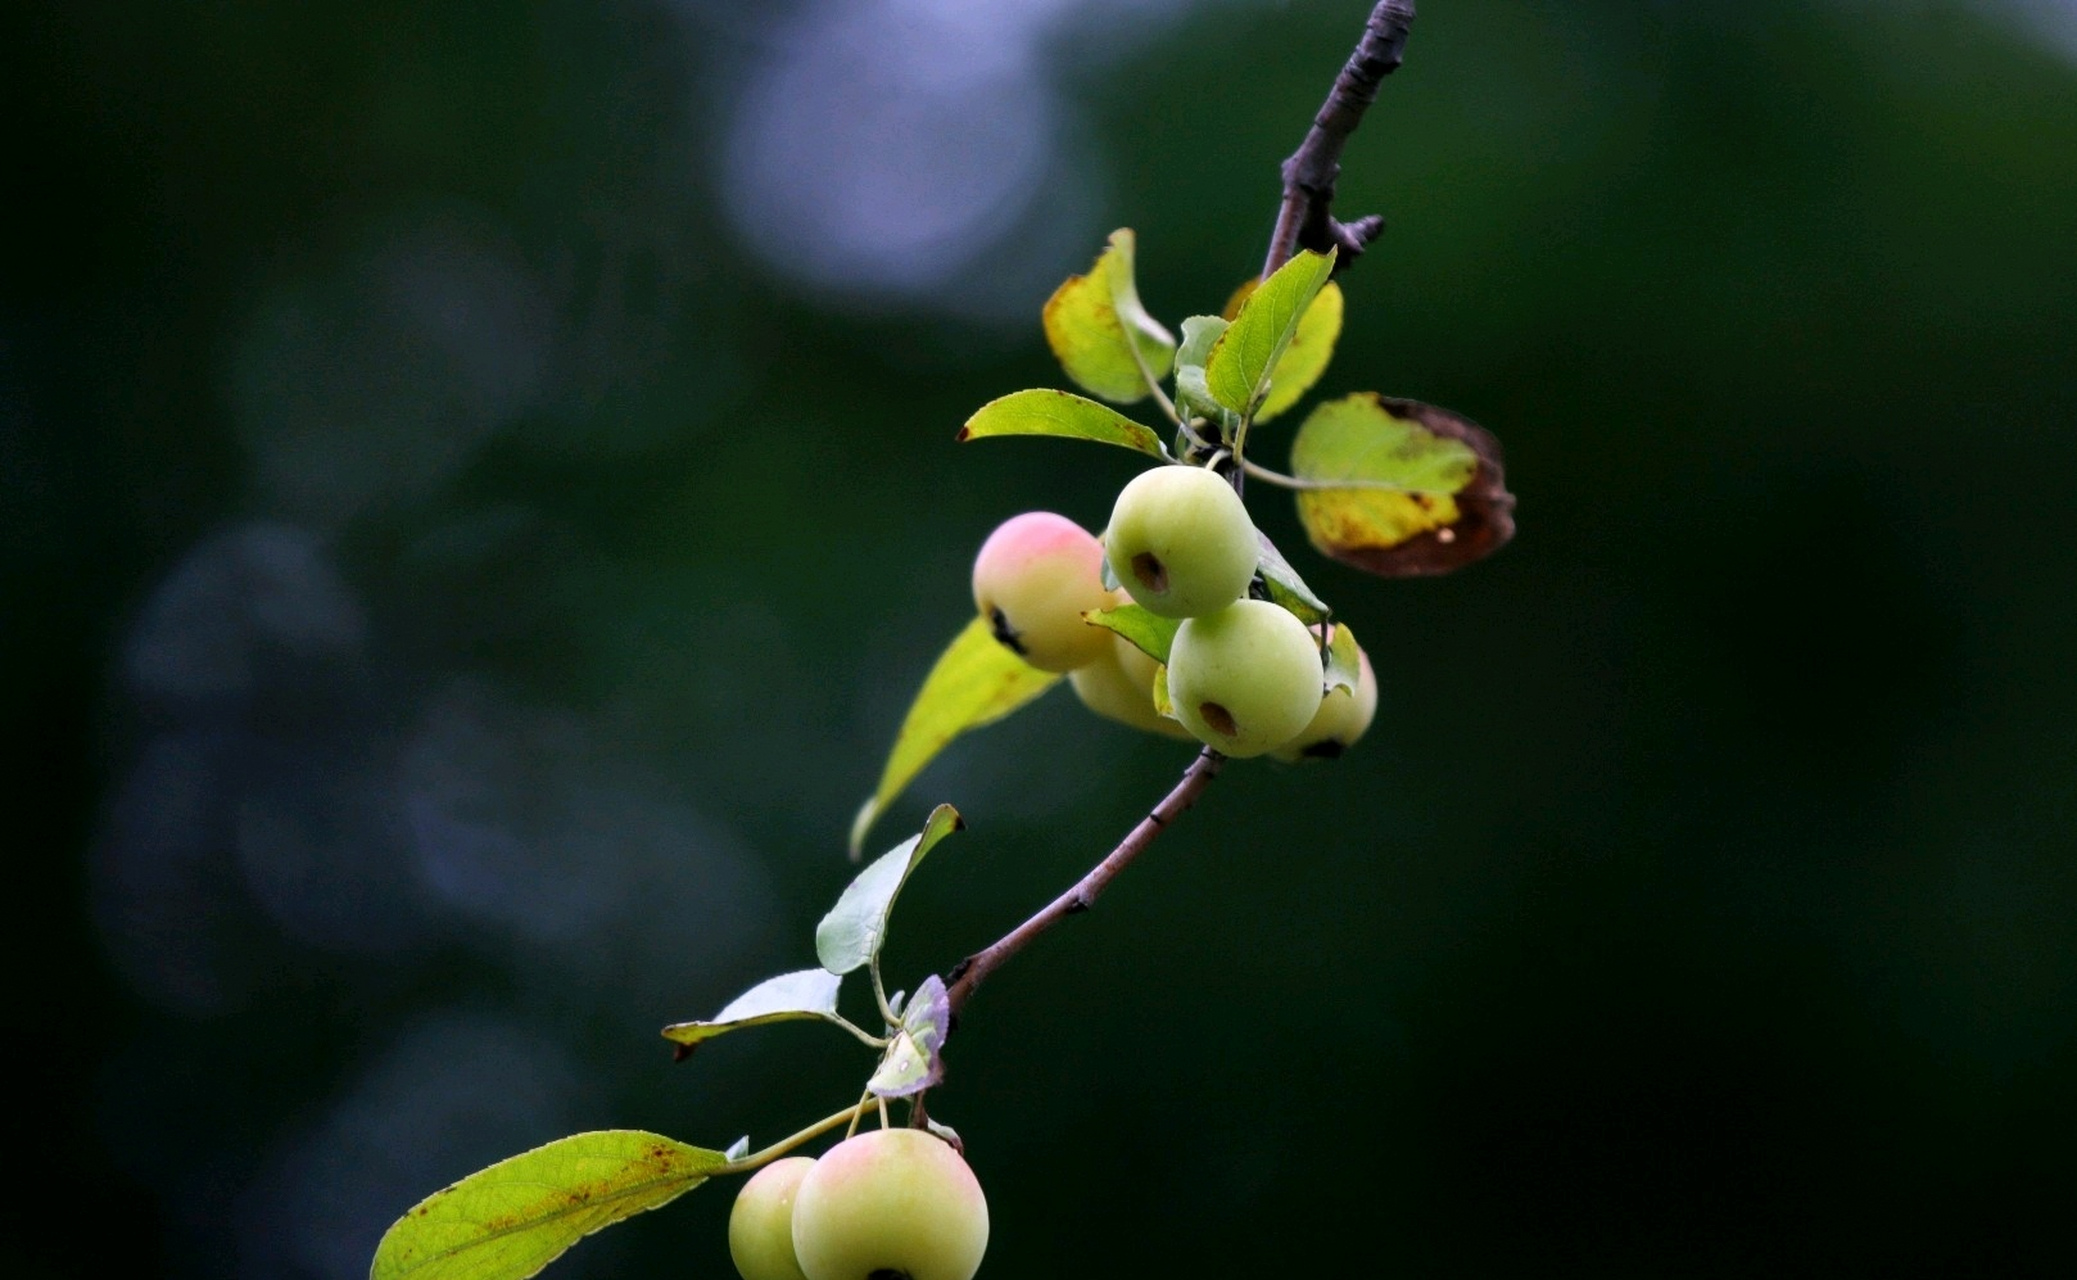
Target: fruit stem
(858, 1113)
(864, 1036)
(880, 995)
(1168, 406)
(970, 973)
(759, 1159)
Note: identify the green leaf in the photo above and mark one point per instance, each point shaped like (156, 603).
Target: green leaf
(1193, 396)
(1286, 587)
(1344, 660)
(912, 1064)
(1238, 369)
(1041, 412)
(1094, 324)
(514, 1218)
(1200, 335)
(1431, 492)
(804, 994)
(853, 931)
(976, 682)
(1306, 358)
(1151, 632)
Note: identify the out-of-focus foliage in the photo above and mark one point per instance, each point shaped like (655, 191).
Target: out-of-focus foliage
(480, 493)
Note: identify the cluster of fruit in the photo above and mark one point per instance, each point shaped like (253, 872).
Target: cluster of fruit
(1244, 676)
(889, 1202)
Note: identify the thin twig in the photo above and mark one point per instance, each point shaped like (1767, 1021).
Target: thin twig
(1282, 481)
(1304, 220)
(971, 972)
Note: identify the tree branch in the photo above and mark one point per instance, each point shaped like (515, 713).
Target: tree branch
(1304, 219)
(970, 973)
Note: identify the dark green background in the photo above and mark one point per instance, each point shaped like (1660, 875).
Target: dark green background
(1701, 903)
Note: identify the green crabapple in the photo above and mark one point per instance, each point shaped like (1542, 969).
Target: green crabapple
(1341, 720)
(1120, 686)
(890, 1202)
(1246, 679)
(760, 1226)
(1033, 579)
(1181, 543)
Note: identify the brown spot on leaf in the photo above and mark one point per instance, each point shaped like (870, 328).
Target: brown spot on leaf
(1485, 509)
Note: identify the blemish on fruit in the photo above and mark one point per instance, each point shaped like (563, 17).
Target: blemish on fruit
(1219, 718)
(999, 627)
(1147, 567)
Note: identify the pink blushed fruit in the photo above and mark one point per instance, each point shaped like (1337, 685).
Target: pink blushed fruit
(1034, 578)
(890, 1202)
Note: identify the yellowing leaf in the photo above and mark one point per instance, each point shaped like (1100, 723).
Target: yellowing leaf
(1343, 661)
(976, 682)
(1428, 495)
(514, 1218)
(1095, 324)
(1041, 412)
(1238, 369)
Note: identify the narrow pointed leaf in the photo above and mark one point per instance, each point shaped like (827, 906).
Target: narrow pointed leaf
(1436, 495)
(1151, 632)
(1241, 361)
(853, 931)
(805, 994)
(975, 682)
(1042, 412)
(1095, 323)
(514, 1218)
(1286, 588)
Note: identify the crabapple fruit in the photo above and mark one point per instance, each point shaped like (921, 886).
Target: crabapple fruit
(1033, 579)
(760, 1226)
(1180, 542)
(1342, 718)
(890, 1202)
(1120, 686)
(1246, 679)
